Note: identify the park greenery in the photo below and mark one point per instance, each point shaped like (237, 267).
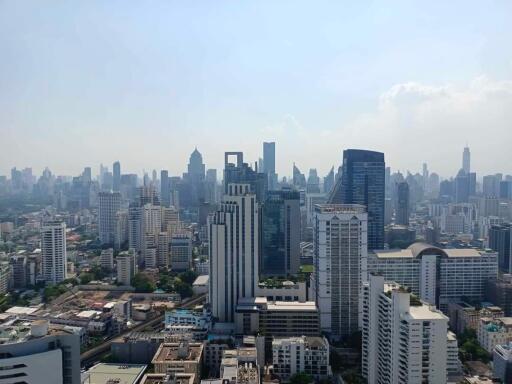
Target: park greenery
(469, 349)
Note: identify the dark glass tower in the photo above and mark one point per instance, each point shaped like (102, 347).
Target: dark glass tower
(242, 173)
(116, 178)
(363, 182)
(280, 233)
(402, 204)
(500, 240)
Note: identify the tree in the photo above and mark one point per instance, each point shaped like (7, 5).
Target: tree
(301, 378)
(188, 276)
(142, 283)
(86, 278)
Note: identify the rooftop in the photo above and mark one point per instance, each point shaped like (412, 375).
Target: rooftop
(417, 250)
(185, 351)
(162, 378)
(122, 374)
(424, 312)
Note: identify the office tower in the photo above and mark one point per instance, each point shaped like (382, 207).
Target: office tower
(462, 187)
(447, 189)
(466, 160)
(280, 233)
(36, 353)
(162, 252)
(109, 203)
(242, 173)
(121, 229)
(500, 240)
(269, 164)
(433, 185)
(53, 252)
(18, 265)
(472, 183)
(506, 189)
(502, 362)
(362, 182)
(313, 185)
(491, 186)
(86, 175)
(340, 244)
(404, 340)
(329, 181)
(425, 178)
(107, 259)
(116, 176)
(211, 186)
(165, 188)
(499, 292)
(196, 168)
(438, 276)
(135, 227)
(180, 252)
(402, 206)
(234, 251)
(126, 267)
(299, 180)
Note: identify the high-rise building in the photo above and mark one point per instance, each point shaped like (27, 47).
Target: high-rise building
(362, 182)
(19, 271)
(340, 243)
(107, 259)
(180, 252)
(234, 251)
(196, 167)
(126, 267)
(242, 173)
(466, 160)
(329, 181)
(280, 231)
(500, 240)
(109, 203)
(269, 164)
(402, 206)
(116, 176)
(53, 252)
(404, 340)
(491, 186)
(299, 180)
(313, 184)
(462, 187)
(36, 353)
(165, 188)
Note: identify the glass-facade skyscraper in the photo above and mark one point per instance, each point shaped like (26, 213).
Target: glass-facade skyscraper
(363, 182)
(280, 233)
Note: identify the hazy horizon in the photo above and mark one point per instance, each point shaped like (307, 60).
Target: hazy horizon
(93, 82)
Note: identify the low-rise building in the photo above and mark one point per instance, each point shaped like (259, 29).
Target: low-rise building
(304, 354)
(493, 332)
(200, 285)
(114, 373)
(465, 316)
(168, 378)
(198, 318)
(182, 357)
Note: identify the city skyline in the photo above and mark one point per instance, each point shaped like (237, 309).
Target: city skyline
(99, 82)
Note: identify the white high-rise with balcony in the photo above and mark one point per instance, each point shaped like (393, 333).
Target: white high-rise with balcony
(340, 244)
(404, 340)
(53, 252)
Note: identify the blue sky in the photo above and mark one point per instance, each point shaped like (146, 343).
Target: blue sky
(144, 82)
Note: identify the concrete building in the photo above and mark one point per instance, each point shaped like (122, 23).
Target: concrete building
(53, 252)
(126, 267)
(180, 252)
(499, 292)
(233, 251)
(183, 357)
(404, 340)
(309, 355)
(109, 203)
(107, 259)
(502, 362)
(493, 332)
(35, 353)
(168, 378)
(340, 266)
(200, 319)
(276, 318)
(464, 316)
(438, 276)
(114, 373)
(19, 271)
(5, 276)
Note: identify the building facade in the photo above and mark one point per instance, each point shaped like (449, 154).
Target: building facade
(53, 252)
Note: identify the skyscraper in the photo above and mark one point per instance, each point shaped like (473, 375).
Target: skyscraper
(196, 167)
(363, 182)
(329, 181)
(340, 266)
(165, 188)
(53, 252)
(500, 240)
(109, 203)
(462, 187)
(234, 251)
(269, 164)
(280, 233)
(242, 173)
(402, 206)
(466, 160)
(116, 177)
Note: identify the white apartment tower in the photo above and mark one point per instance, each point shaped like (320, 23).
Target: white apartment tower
(53, 252)
(233, 240)
(109, 203)
(404, 340)
(340, 244)
(126, 267)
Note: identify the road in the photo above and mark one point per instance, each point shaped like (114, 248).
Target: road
(92, 355)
